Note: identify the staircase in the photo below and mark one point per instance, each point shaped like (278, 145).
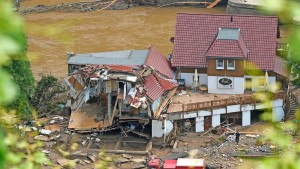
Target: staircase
(293, 106)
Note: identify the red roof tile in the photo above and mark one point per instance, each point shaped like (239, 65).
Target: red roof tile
(227, 49)
(159, 62)
(122, 68)
(196, 32)
(166, 84)
(153, 88)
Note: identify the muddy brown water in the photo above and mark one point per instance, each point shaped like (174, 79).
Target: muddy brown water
(51, 35)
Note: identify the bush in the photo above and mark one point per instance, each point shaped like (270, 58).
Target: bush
(48, 94)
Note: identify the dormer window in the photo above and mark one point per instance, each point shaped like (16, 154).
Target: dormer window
(220, 64)
(230, 65)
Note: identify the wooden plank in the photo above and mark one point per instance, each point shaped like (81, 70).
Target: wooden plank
(114, 112)
(165, 103)
(213, 4)
(117, 145)
(149, 146)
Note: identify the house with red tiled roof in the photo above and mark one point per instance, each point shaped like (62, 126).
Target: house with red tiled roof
(224, 49)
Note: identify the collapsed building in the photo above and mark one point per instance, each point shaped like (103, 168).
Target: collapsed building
(118, 90)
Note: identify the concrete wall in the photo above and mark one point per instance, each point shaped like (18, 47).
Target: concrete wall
(277, 114)
(157, 128)
(238, 86)
(199, 124)
(246, 118)
(255, 82)
(189, 80)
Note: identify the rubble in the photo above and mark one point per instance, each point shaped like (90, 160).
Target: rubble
(138, 160)
(44, 131)
(42, 138)
(92, 157)
(127, 156)
(62, 162)
(138, 166)
(121, 160)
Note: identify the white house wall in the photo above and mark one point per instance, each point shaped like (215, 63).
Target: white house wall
(277, 114)
(238, 86)
(255, 82)
(246, 118)
(199, 125)
(189, 79)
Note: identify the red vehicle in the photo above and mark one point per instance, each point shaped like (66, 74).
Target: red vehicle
(180, 163)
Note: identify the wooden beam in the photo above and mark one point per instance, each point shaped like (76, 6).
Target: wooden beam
(117, 146)
(114, 112)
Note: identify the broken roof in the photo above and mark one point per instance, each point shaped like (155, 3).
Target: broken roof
(125, 57)
(153, 88)
(156, 60)
(166, 84)
(196, 32)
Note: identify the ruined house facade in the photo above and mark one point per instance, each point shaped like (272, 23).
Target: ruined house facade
(121, 87)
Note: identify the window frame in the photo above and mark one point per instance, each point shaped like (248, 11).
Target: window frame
(231, 68)
(220, 68)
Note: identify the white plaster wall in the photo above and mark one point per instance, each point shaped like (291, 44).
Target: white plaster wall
(204, 113)
(190, 115)
(216, 120)
(199, 124)
(277, 114)
(238, 86)
(246, 118)
(255, 82)
(157, 129)
(189, 80)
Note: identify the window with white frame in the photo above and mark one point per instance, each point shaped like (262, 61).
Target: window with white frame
(230, 65)
(220, 64)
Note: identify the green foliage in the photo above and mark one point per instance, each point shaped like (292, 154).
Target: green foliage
(48, 94)
(18, 67)
(22, 75)
(10, 43)
(15, 77)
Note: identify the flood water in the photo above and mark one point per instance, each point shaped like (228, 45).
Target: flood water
(51, 35)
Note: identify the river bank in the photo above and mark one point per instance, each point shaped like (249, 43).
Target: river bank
(35, 6)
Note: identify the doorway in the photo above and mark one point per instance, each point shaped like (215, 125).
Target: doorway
(248, 84)
(207, 122)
